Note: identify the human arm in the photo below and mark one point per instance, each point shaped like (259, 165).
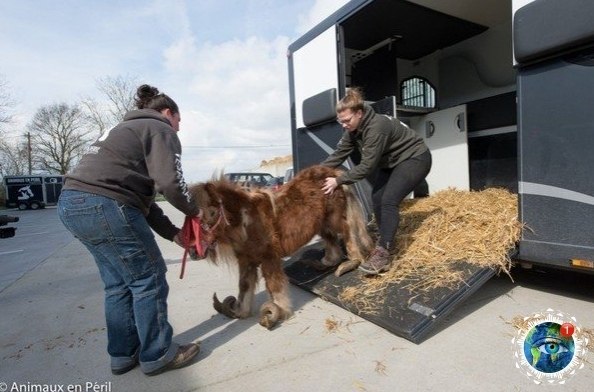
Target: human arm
(163, 160)
(343, 150)
(160, 223)
(374, 144)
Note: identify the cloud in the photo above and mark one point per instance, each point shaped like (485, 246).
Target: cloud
(223, 62)
(235, 94)
(232, 95)
(317, 13)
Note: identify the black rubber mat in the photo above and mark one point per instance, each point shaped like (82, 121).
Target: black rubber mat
(409, 314)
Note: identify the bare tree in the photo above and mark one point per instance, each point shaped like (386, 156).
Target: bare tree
(59, 135)
(6, 103)
(10, 157)
(13, 158)
(119, 92)
(97, 117)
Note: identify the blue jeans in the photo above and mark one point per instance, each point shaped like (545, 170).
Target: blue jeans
(133, 272)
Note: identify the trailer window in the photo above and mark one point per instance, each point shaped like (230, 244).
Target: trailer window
(418, 92)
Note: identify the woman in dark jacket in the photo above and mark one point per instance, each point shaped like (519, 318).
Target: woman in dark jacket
(108, 203)
(399, 155)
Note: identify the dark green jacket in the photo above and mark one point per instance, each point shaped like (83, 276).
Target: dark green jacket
(382, 141)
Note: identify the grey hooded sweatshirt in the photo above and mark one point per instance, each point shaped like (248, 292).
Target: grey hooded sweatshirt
(130, 163)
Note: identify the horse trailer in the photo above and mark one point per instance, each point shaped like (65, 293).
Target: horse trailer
(500, 90)
(32, 191)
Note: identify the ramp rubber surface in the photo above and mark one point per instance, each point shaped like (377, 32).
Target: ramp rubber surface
(409, 314)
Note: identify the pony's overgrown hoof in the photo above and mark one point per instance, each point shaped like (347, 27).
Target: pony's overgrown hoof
(270, 314)
(227, 307)
(347, 266)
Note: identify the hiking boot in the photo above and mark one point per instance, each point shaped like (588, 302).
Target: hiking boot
(184, 355)
(379, 261)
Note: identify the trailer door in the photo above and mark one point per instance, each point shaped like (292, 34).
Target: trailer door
(445, 134)
(314, 69)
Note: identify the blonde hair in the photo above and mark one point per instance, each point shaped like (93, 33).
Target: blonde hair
(353, 100)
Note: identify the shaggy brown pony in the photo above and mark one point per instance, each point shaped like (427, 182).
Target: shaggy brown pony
(258, 228)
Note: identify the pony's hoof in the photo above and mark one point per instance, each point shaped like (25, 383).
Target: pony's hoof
(227, 307)
(270, 313)
(347, 266)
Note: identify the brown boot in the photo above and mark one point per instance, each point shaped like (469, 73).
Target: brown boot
(379, 261)
(183, 357)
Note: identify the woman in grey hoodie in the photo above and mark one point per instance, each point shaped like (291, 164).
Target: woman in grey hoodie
(108, 203)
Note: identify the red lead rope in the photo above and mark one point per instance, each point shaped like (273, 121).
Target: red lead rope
(200, 234)
(191, 232)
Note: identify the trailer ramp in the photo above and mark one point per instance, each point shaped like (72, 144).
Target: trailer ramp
(408, 314)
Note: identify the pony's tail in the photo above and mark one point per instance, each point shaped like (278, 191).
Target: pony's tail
(361, 242)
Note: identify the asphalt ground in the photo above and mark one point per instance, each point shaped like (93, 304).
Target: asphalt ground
(52, 330)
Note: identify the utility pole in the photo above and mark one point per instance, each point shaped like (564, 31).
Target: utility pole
(29, 150)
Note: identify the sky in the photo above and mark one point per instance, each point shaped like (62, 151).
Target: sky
(223, 61)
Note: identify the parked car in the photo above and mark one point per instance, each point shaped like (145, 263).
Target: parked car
(249, 180)
(289, 174)
(275, 183)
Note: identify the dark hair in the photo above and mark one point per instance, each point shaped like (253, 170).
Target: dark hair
(353, 100)
(148, 97)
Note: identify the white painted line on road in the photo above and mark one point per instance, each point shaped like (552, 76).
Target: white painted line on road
(24, 235)
(10, 252)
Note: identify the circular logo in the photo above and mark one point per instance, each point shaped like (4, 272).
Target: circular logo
(549, 347)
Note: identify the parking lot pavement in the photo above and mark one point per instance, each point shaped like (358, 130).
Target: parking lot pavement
(39, 234)
(53, 334)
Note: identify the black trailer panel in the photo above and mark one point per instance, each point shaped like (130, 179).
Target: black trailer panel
(53, 188)
(406, 313)
(556, 160)
(546, 28)
(556, 132)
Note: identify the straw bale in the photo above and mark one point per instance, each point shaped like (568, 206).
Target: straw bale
(437, 235)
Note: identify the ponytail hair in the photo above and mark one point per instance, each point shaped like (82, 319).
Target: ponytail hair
(353, 100)
(148, 97)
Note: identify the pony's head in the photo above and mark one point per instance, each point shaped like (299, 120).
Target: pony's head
(209, 200)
